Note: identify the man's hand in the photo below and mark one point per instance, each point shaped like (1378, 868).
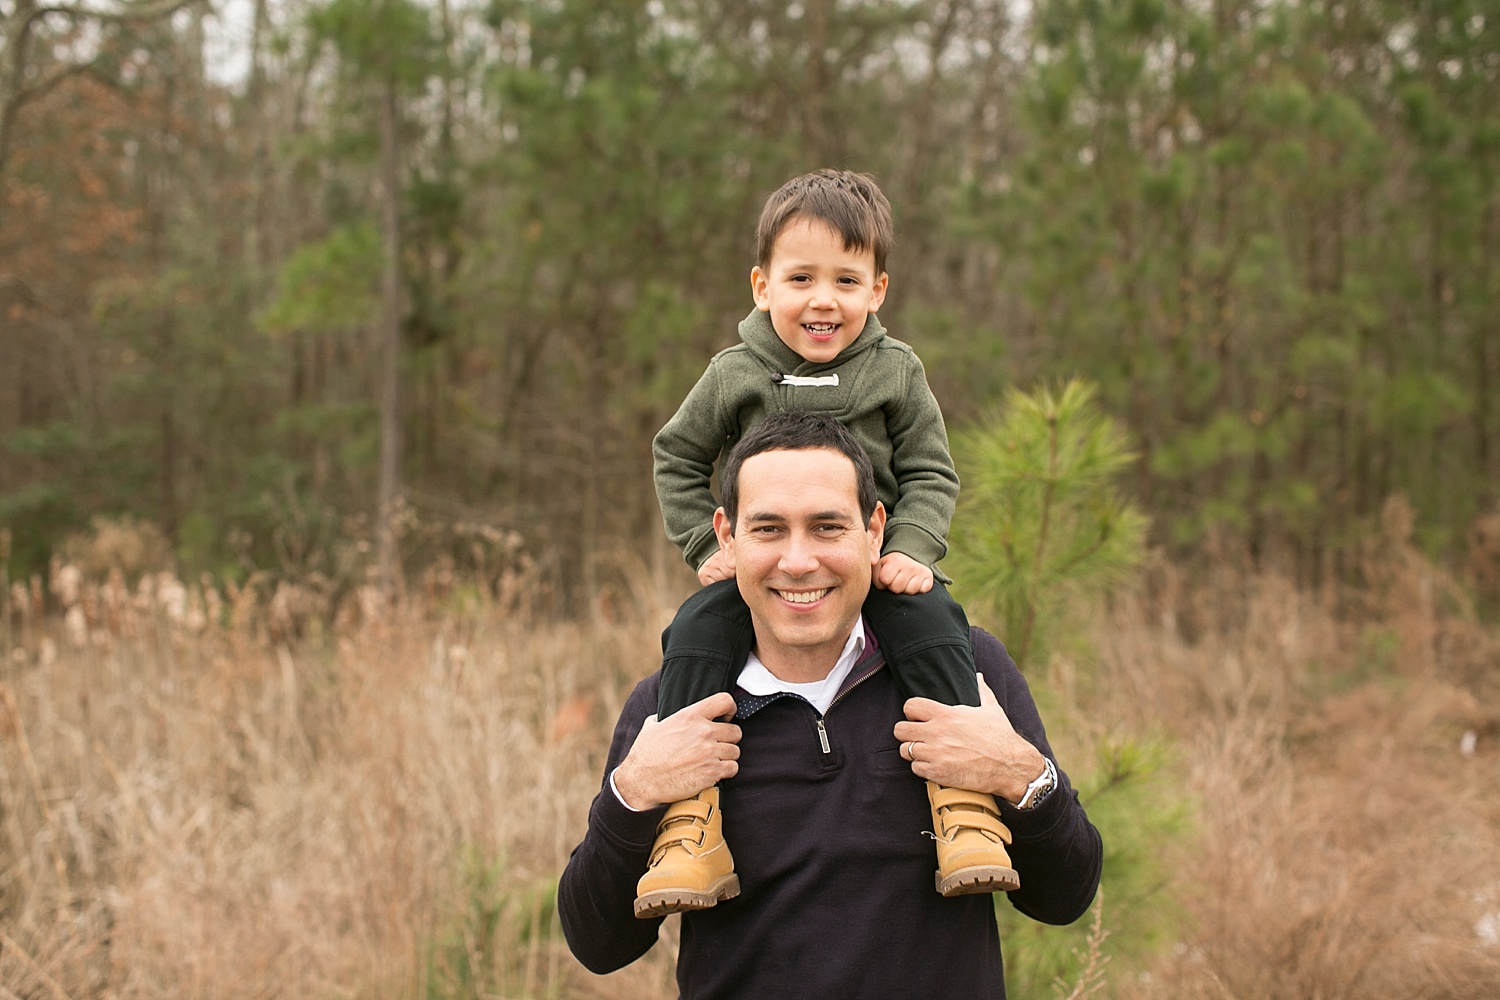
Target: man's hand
(965, 747)
(901, 574)
(678, 757)
(714, 570)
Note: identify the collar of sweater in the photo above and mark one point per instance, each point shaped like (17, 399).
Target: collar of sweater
(760, 336)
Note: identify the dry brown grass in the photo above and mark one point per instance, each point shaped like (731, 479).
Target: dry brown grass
(196, 810)
(193, 804)
(1347, 769)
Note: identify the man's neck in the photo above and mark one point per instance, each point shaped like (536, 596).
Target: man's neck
(805, 665)
(756, 678)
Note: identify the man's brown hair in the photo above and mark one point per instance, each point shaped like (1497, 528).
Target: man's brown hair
(797, 430)
(851, 204)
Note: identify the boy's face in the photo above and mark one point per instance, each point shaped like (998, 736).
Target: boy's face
(817, 293)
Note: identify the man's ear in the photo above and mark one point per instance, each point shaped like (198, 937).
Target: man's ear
(724, 530)
(877, 532)
(760, 288)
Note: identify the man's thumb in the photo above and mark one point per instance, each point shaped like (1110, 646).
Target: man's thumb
(986, 696)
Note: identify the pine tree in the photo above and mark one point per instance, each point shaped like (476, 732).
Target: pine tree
(1041, 523)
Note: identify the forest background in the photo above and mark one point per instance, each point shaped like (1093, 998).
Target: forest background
(1266, 230)
(327, 307)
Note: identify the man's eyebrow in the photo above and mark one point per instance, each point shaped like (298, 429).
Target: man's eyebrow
(771, 517)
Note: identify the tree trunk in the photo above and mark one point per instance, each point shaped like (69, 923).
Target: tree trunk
(389, 488)
(158, 193)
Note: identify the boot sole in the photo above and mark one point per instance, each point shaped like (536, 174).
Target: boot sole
(983, 878)
(665, 901)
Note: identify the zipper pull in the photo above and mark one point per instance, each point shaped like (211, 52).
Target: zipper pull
(823, 737)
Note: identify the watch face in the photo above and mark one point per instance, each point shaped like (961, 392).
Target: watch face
(1040, 788)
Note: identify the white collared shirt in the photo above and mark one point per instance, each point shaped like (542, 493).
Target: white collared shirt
(755, 679)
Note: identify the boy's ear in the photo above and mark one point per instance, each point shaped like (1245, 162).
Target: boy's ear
(877, 291)
(760, 287)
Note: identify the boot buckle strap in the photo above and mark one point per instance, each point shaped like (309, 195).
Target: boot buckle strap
(947, 798)
(953, 821)
(687, 809)
(694, 835)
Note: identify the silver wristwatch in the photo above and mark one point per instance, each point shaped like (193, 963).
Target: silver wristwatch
(1040, 788)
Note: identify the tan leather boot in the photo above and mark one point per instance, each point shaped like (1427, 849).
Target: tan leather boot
(971, 842)
(691, 867)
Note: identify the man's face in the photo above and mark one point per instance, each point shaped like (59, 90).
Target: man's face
(817, 293)
(801, 555)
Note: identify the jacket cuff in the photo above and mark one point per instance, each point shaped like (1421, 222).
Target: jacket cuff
(912, 540)
(699, 550)
(624, 827)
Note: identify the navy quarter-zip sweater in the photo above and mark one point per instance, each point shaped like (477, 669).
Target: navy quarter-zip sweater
(836, 872)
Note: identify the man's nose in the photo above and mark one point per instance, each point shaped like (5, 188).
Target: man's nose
(799, 557)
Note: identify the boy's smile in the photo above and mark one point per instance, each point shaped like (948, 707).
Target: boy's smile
(818, 292)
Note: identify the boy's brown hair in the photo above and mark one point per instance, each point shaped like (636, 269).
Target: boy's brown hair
(851, 204)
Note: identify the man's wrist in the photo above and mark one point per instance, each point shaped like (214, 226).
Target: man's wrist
(625, 781)
(613, 787)
(1022, 775)
(1040, 788)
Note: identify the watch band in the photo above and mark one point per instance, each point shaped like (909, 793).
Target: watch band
(1040, 788)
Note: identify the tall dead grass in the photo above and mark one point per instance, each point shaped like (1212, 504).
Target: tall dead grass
(204, 794)
(1344, 751)
(193, 807)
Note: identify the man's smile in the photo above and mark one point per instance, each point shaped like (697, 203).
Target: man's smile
(802, 596)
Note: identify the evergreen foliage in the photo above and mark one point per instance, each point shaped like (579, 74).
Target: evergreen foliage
(1266, 231)
(1041, 525)
(1133, 798)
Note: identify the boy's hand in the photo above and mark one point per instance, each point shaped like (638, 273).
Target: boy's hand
(716, 569)
(901, 574)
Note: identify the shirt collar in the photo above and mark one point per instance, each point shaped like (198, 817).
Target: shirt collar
(757, 680)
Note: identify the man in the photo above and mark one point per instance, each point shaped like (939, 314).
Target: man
(818, 781)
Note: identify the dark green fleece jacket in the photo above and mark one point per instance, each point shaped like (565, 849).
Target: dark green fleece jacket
(881, 395)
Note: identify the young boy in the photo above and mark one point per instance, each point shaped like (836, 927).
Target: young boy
(813, 343)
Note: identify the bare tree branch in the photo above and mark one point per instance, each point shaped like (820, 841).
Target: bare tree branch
(18, 30)
(130, 14)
